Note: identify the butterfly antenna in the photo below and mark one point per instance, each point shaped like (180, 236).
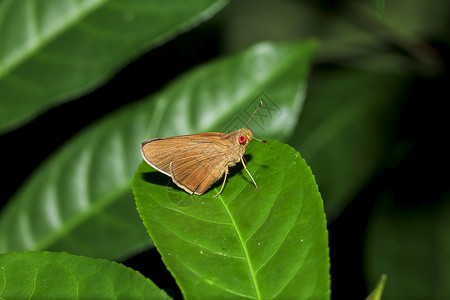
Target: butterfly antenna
(264, 141)
(260, 103)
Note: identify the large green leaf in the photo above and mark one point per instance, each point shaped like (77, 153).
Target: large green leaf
(246, 243)
(410, 242)
(345, 130)
(80, 199)
(53, 50)
(47, 275)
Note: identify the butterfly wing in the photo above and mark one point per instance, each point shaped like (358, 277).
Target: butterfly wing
(194, 162)
(159, 153)
(195, 171)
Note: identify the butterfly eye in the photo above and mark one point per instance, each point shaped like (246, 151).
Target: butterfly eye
(242, 140)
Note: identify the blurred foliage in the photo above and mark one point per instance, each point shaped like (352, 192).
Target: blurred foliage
(372, 129)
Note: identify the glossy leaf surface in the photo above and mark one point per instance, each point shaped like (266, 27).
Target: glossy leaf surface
(55, 50)
(47, 275)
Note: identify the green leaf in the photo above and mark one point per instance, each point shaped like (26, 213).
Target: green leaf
(54, 50)
(377, 292)
(246, 243)
(80, 199)
(380, 4)
(345, 132)
(407, 19)
(47, 275)
(411, 243)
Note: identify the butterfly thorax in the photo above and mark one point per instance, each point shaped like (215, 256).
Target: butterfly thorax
(238, 141)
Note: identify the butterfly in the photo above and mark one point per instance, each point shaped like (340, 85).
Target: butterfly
(197, 161)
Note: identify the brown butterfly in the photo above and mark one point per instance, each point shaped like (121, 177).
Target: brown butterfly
(197, 161)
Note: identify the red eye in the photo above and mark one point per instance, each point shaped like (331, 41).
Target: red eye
(242, 140)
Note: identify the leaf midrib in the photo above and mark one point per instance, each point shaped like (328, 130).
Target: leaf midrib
(244, 248)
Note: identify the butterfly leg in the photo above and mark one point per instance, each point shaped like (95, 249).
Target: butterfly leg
(223, 184)
(245, 167)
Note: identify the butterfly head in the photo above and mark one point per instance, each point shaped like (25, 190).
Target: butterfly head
(244, 136)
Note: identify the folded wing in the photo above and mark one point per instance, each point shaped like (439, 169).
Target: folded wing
(196, 171)
(194, 165)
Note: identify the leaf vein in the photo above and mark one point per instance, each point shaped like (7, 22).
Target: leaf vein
(293, 275)
(195, 217)
(276, 250)
(243, 186)
(285, 236)
(244, 248)
(208, 281)
(198, 244)
(268, 214)
(4, 280)
(34, 283)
